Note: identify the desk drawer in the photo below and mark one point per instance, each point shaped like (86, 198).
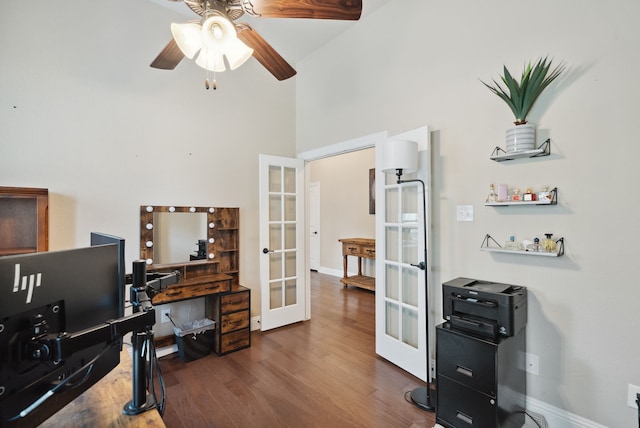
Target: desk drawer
(467, 360)
(459, 406)
(234, 341)
(352, 250)
(235, 302)
(174, 294)
(234, 321)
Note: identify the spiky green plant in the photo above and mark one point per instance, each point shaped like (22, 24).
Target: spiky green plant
(520, 96)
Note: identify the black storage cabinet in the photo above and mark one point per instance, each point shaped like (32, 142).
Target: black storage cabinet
(480, 380)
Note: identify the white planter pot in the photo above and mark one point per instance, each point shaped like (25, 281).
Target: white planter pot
(521, 138)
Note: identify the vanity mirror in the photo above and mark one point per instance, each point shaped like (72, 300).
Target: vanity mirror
(170, 234)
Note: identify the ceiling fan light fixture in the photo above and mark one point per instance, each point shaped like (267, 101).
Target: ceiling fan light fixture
(211, 59)
(188, 37)
(237, 53)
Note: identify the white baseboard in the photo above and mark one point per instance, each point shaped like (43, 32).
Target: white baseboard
(333, 272)
(555, 417)
(255, 323)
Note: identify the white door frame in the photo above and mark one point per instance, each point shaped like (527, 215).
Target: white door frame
(361, 143)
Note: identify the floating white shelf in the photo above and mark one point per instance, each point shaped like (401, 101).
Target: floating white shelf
(499, 155)
(499, 249)
(552, 201)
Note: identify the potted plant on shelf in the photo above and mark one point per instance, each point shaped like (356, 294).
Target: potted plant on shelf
(520, 97)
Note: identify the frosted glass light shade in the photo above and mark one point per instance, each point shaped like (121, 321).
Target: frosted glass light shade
(188, 37)
(237, 53)
(399, 154)
(215, 39)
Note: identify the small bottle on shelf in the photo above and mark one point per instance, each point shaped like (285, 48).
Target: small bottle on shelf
(549, 244)
(529, 195)
(516, 195)
(492, 195)
(511, 244)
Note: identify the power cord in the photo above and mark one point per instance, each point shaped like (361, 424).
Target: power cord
(153, 370)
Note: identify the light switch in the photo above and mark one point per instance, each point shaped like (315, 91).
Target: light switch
(464, 213)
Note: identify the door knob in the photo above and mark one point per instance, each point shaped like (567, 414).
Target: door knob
(266, 250)
(421, 265)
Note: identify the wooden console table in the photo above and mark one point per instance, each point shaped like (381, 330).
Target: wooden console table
(358, 247)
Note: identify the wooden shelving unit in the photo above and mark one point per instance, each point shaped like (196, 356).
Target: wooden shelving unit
(24, 220)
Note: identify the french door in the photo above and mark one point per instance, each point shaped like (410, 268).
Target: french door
(282, 255)
(400, 283)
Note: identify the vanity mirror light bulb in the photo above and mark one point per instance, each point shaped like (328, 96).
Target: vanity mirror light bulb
(192, 209)
(149, 261)
(211, 240)
(212, 210)
(211, 255)
(211, 225)
(149, 226)
(149, 244)
(172, 209)
(149, 209)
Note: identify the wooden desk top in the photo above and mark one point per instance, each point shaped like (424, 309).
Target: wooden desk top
(358, 241)
(101, 405)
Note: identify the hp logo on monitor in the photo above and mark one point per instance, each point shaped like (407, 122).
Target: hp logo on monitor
(26, 282)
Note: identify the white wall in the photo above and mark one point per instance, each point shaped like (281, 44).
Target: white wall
(85, 116)
(414, 63)
(344, 206)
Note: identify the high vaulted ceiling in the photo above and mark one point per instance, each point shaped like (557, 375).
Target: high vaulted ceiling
(294, 39)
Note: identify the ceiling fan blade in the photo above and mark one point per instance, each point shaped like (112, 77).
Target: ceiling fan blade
(170, 56)
(265, 53)
(318, 9)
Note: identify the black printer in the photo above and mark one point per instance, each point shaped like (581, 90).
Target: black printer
(483, 307)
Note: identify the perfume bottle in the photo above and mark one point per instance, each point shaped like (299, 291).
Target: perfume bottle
(511, 244)
(516, 195)
(549, 244)
(529, 196)
(492, 195)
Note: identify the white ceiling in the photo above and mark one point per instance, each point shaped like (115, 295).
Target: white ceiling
(294, 39)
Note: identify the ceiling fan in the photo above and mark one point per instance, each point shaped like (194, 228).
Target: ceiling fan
(196, 39)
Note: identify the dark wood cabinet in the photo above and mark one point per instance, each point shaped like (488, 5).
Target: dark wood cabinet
(24, 220)
(232, 313)
(481, 381)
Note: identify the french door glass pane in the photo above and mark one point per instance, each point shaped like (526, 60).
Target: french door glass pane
(391, 208)
(275, 179)
(290, 292)
(275, 237)
(290, 264)
(275, 208)
(392, 288)
(410, 286)
(275, 295)
(275, 265)
(410, 245)
(289, 180)
(290, 208)
(410, 327)
(392, 241)
(392, 316)
(290, 236)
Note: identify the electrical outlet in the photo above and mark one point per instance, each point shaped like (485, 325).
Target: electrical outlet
(632, 390)
(464, 212)
(532, 363)
(165, 315)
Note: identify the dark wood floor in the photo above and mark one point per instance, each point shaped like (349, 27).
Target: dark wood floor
(318, 373)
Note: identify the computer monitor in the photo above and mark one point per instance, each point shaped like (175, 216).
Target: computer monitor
(98, 238)
(50, 293)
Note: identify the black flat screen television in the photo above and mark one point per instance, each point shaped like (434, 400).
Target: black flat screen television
(50, 293)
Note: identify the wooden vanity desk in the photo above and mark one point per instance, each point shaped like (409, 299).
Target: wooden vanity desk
(215, 277)
(358, 247)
